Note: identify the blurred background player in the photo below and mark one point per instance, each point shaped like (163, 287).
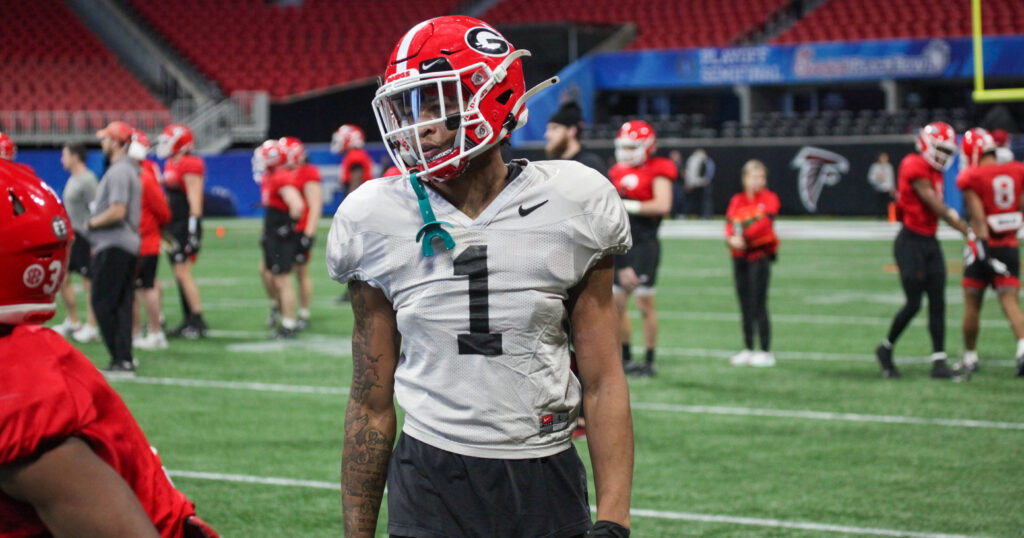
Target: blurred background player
(645, 184)
(750, 235)
(562, 137)
(155, 214)
(79, 192)
(183, 179)
(307, 179)
(919, 257)
(992, 193)
(356, 164)
(73, 461)
(260, 173)
(7, 148)
(113, 232)
(1002, 140)
(697, 177)
(882, 179)
(283, 206)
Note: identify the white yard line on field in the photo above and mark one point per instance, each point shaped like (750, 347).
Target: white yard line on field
(637, 512)
(645, 406)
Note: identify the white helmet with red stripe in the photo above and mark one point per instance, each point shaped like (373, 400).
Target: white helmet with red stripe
(936, 143)
(35, 241)
(7, 147)
(175, 140)
(976, 142)
(294, 151)
(347, 137)
(267, 157)
(457, 73)
(635, 143)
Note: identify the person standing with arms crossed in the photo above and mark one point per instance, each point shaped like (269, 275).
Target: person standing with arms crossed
(79, 192)
(113, 232)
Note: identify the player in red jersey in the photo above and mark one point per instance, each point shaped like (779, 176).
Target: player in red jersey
(922, 266)
(283, 207)
(73, 461)
(7, 148)
(155, 215)
(992, 193)
(356, 165)
(307, 179)
(183, 179)
(750, 235)
(645, 184)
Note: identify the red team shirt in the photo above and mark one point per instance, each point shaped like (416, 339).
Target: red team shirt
(155, 211)
(353, 158)
(915, 216)
(637, 183)
(999, 186)
(755, 215)
(52, 392)
(176, 168)
(270, 188)
(305, 175)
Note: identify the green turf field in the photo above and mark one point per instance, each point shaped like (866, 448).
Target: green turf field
(251, 429)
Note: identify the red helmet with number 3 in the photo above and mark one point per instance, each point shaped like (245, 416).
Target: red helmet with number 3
(347, 137)
(976, 142)
(635, 143)
(175, 140)
(457, 72)
(35, 240)
(936, 143)
(7, 147)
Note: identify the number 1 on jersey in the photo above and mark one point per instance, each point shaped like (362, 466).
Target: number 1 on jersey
(480, 341)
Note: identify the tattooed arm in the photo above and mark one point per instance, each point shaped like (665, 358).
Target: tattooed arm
(370, 420)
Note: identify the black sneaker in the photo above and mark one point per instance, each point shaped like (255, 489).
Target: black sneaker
(644, 370)
(941, 370)
(1020, 366)
(971, 367)
(884, 355)
(282, 333)
(196, 329)
(632, 366)
(119, 370)
(177, 331)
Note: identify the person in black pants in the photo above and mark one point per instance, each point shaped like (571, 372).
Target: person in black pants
(750, 235)
(113, 233)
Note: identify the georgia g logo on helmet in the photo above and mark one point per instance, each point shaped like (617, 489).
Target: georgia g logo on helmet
(486, 41)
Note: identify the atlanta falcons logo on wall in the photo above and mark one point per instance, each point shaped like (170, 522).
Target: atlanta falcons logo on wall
(817, 168)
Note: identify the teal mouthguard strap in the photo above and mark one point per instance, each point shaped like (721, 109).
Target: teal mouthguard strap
(431, 226)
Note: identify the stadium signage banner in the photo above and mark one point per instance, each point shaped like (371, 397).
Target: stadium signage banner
(814, 62)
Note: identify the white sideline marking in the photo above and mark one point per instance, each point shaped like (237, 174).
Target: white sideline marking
(646, 406)
(237, 385)
(655, 514)
(804, 355)
(811, 319)
(824, 415)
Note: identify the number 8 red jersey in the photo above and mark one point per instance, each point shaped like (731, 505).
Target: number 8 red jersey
(999, 186)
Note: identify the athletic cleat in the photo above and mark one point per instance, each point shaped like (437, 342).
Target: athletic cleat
(137, 340)
(193, 332)
(119, 370)
(971, 367)
(87, 333)
(177, 331)
(742, 358)
(632, 366)
(282, 333)
(66, 328)
(302, 324)
(644, 370)
(940, 370)
(153, 341)
(884, 355)
(1020, 366)
(274, 318)
(762, 359)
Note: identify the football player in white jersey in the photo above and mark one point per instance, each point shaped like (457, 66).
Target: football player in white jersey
(466, 317)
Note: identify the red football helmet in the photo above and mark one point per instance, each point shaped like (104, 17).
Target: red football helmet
(347, 137)
(139, 145)
(457, 72)
(976, 142)
(936, 143)
(7, 147)
(35, 241)
(294, 151)
(267, 157)
(635, 143)
(175, 140)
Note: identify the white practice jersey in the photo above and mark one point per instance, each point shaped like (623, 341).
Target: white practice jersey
(484, 370)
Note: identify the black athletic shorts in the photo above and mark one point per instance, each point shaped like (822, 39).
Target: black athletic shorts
(919, 257)
(78, 262)
(980, 275)
(146, 276)
(177, 233)
(279, 252)
(301, 255)
(433, 493)
(644, 258)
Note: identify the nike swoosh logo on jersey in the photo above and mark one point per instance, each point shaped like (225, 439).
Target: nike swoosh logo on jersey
(524, 211)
